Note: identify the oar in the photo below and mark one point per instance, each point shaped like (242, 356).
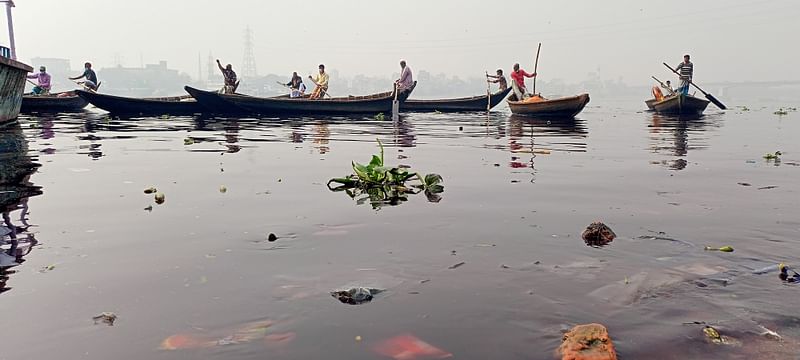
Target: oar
(710, 97)
(488, 93)
(84, 85)
(395, 104)
(536, 67)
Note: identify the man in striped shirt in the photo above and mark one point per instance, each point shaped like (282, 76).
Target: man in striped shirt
(686, 70)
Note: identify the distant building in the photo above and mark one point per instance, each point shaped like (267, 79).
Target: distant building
(151, 80)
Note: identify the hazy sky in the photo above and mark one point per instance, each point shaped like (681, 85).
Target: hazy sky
(728, 39)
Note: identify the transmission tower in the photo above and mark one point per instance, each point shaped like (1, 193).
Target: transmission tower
(212, 68)
(249, 58)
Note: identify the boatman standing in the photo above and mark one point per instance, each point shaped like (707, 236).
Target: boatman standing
(43, 82)
(518, 76)
(90, 77)
(498, 79)
(321, 82)
(230, 78)
(406, 81)
(686, 70)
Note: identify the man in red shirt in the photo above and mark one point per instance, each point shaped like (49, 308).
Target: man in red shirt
(518, 76)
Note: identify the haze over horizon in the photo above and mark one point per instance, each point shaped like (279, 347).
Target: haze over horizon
(729, 40)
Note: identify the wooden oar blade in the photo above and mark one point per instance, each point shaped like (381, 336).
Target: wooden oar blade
(716, 102)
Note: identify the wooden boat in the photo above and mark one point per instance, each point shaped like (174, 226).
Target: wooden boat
(237, 103)
(119, 105)
(54, 103)
(539, 106)
(12, 83)
(473, 103)
(679, 105)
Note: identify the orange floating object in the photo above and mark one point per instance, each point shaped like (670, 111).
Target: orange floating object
(280, 339)
(185, 341)
(409, 347)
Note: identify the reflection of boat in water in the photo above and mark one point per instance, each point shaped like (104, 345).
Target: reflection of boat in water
(550, 134)
(681, 129)
(472, 103)
(678, 104)
(16, 167)
(539, 106)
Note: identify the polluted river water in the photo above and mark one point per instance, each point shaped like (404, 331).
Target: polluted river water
(495, 269)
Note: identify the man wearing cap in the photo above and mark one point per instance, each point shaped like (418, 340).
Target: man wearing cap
(91, 78)
(43, 82)
(321, 82)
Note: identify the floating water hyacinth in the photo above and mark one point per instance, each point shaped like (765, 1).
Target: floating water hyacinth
(379, 184)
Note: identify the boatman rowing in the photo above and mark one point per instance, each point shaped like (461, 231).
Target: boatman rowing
(406, 80)
(686, 70)
(230, 78)
(43, 82)
(90, 77)
(321, 82)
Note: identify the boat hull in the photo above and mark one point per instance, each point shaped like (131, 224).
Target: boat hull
(12, 83)
(562, 107)
(473, 103)
(678, 105)
(52, 103)
(120, 105)
(237, 103)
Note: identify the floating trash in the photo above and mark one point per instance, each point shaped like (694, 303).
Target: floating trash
(272, 237)
(356, 296)
(159, 198)
(590, 341)
(598, 234)
(150, 190)
(107, 318)
(723, 249)
(223, 189)
(409, 347)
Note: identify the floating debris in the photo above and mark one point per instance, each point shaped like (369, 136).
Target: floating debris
(590, 341)
(105, 317)
(409, 347)
(784, 275)
(47, 268)
(456, 266)
(272, 237)
(188, 141)
(150, 190)
(223, 189)
(773, 156)
(723, 249)
(149, 208)
(159, 198)
(598, 234)
(380, 117)
(356, 296)
(713, 336)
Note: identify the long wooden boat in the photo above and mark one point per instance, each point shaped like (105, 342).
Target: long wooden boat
(54, 103)
(173, 105)
(472, 103)
(539, 106)
(237, 103)
(678, 105)
(12, 83)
